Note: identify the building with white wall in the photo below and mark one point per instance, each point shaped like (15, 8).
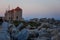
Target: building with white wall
(14, 14)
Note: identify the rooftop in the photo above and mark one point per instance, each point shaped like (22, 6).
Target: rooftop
(16, 9)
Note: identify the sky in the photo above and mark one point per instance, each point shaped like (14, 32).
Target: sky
(33, 8)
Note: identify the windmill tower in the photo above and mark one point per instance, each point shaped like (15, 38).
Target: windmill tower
(13, 14)
(6, 13)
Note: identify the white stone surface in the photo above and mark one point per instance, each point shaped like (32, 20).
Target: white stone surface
(23, 35)
(20, 25)
(3, 32)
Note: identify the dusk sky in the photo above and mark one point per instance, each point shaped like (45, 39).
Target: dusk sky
(33, 8)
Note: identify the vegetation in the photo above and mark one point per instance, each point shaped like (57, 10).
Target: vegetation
(16, 23)
(34, 24)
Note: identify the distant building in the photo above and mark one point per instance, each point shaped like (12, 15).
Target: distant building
(35, 20)
(14, 14)
(43, 20)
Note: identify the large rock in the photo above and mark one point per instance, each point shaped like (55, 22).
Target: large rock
(23, 35)
(4, 36)
(3, 32)
(5, 26)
